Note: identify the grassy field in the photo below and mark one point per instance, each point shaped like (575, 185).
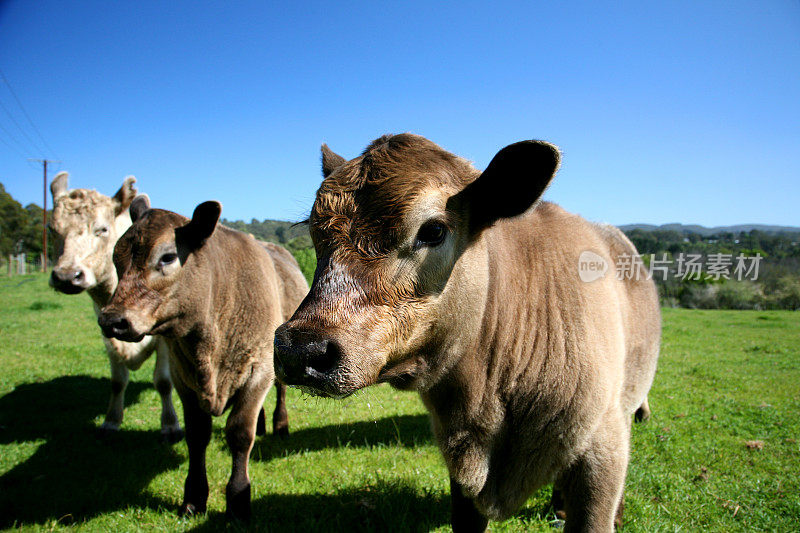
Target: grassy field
(721, 452)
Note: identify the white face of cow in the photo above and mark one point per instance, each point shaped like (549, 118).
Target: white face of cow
(85, 226)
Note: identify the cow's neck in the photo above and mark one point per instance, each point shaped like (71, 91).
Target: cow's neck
(102, 292)
(210, 300)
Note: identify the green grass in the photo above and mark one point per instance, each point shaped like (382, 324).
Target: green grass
(368, 463)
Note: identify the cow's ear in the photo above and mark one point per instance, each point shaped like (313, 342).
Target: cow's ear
(139, 206)
(58, 187)
(202, 226)
(330, 161)
(513, 182)
(124, 196)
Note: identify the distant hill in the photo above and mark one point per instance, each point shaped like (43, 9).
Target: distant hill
(704, 231)
(281, 232)
(277, 231)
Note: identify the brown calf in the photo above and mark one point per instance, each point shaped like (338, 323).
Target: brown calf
(217, 296)
(437, 277)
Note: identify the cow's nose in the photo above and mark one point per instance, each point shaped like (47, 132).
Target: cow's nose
(68, 275)
(300, 355)
(114, 325)
(67, 279)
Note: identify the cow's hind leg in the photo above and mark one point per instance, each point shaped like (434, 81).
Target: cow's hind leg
(116, 404)
(261, 424)
(171, 431)
(594, 484)
(464, 516)
(240, 433)
(198, 434)
(643, 412)
(280, 418)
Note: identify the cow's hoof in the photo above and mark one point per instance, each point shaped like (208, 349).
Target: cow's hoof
(105, 432)
(281, 432)
(172, 436)
(241, 514)
(189, 509)
(237, 502)
(238, 506)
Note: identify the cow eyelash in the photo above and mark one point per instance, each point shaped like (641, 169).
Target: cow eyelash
(101, 231)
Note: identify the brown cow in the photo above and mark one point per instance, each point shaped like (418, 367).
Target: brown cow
(437, 277)
(217, 296)
(85, 226)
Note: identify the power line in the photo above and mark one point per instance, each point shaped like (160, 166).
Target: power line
(11, 145)
(33, 143)
(13, 138)
(25, 112)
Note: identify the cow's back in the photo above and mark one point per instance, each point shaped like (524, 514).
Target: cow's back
(292, 283)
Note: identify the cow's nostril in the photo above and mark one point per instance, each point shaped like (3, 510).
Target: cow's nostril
(78, 276)
(324, 356)
(121, 325)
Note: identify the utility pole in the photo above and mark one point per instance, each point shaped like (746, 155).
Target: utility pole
(44, 209)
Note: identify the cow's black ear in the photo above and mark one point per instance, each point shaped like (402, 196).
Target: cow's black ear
(330, 161)
(202, 226)
(139, 206)
(513, 182)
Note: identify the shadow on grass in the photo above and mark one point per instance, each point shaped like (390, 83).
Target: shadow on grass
(406, 431)
(383, 507)
(73, 476)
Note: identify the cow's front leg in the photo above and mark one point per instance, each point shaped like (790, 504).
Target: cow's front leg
(198, 434)
(240, 433)
(171, 431)
(467, 460)
(594, 483)
(116, 404)
(280, 418)
(464, 516)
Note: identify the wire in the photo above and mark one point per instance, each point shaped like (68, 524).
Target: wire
(11, 146)
(16, 140)
(33, 143)
(19, 102)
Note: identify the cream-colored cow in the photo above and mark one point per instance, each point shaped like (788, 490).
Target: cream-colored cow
(462, 285)
(86, 225)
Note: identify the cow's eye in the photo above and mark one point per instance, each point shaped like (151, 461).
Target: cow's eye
(432, 233)
(167, 259)
(99, 232)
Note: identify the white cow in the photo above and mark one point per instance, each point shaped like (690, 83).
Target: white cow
(86, 226)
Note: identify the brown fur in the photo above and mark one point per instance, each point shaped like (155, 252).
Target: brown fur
(217, 295)
(530, 374)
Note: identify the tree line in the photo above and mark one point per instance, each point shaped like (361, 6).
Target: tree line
(20, 227)
(775, 286)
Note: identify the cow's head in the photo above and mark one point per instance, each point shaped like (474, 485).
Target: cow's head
(389, 228)
(85, 226)
(151, 259)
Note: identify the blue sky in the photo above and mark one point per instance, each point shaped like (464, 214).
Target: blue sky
(665, 112)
